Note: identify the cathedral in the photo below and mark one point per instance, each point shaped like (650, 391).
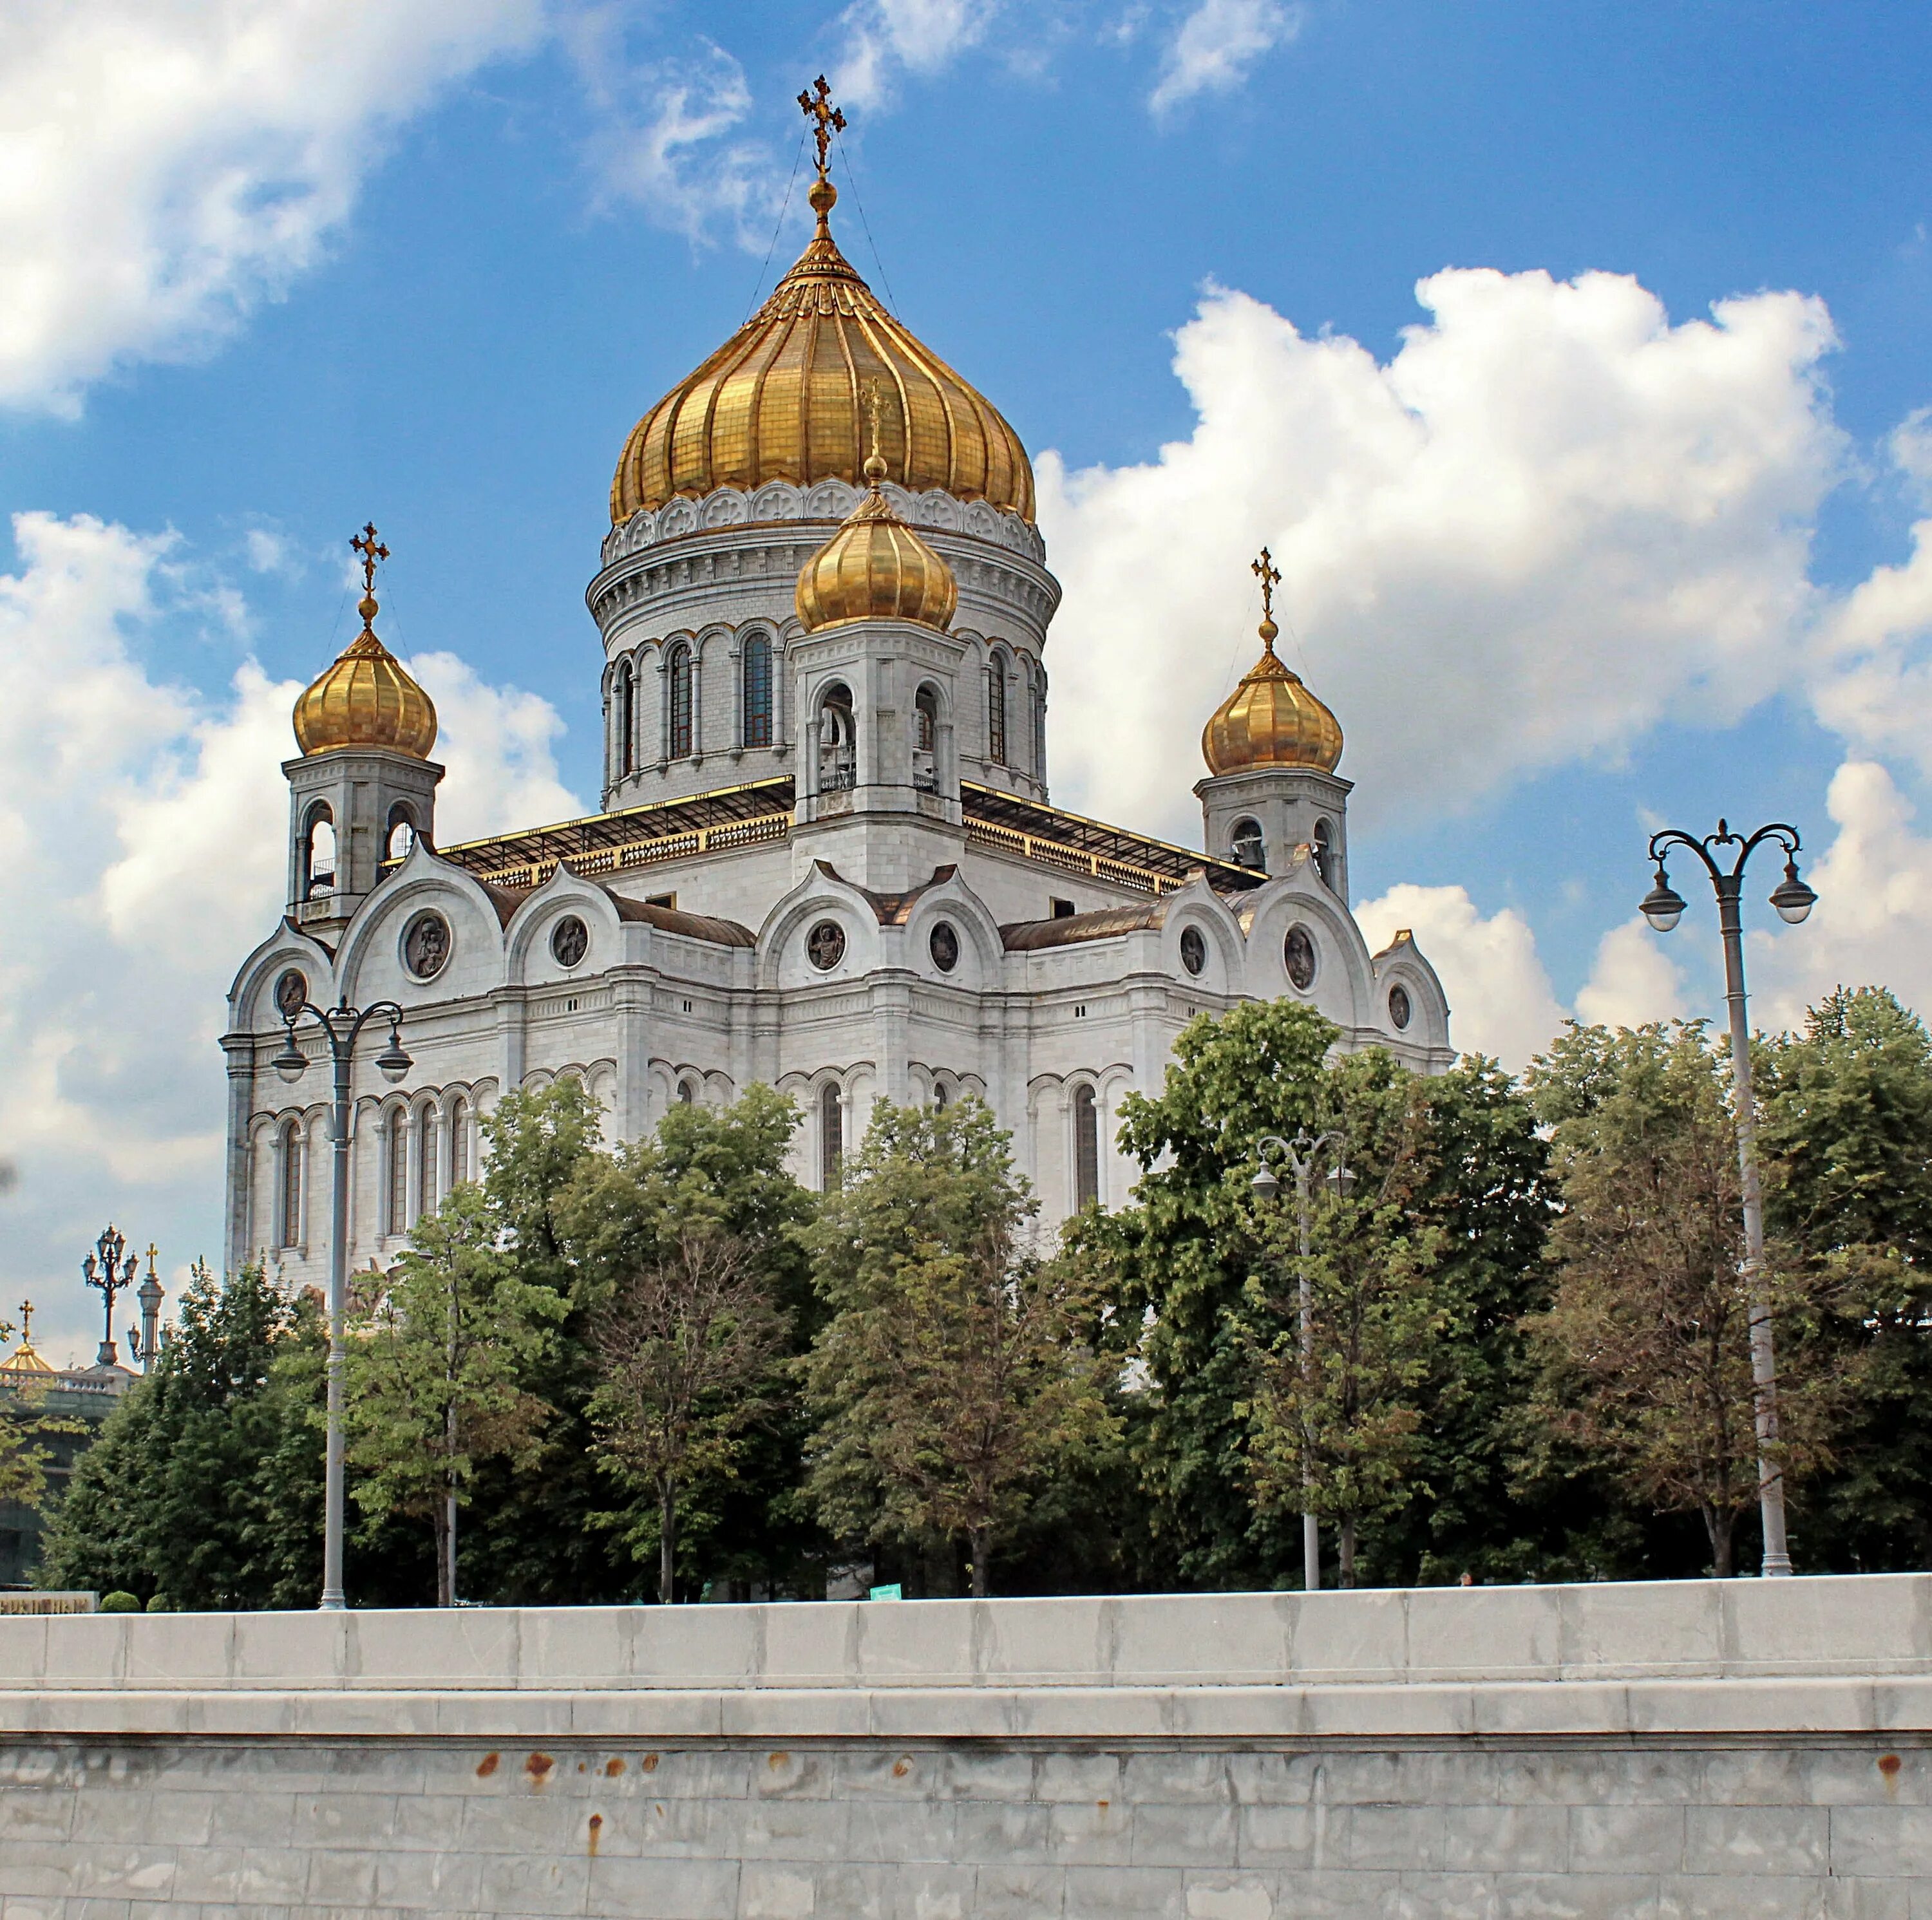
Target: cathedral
(826, 858)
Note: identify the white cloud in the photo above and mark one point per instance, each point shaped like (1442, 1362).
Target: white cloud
(1633, 980)
(1551, 519)
(885, 38)
(1873, 924)
(1500, 998)
(166, 164)
(662, 142)
(141, 826)
(1214, 48)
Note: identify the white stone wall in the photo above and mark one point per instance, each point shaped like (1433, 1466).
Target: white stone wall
(1693, 1748)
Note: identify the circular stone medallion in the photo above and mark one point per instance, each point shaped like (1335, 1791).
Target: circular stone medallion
(1193, 949)
(825, 945)
(1297, 954)
(943, 946)
(1400, 1008)
(570, 940)
(426, 944)
(291, 991)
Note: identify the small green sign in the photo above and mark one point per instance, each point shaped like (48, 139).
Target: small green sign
(895, 1592)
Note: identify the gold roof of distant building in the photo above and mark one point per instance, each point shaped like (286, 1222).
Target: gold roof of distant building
(1270, 720)
(366, 699)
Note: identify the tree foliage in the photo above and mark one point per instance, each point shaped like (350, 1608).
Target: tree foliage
(951, 1379)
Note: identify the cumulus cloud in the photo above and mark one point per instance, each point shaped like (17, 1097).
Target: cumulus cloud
(142, 828)
(885, 39)
(166, 164)
(1551, 518)
(1215, 46)
(1634, 979)
(1500, 998)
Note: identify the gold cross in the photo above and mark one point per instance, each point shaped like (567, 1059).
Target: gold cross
(370, 546)
(152, 1251)
(816, 104)
(1264, 569)
(26, 1321)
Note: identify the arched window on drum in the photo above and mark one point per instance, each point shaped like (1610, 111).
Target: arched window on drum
(996, 708)
(838, 741)
(1322, 841)
(626, 704)
(755, 707)
(678, 672)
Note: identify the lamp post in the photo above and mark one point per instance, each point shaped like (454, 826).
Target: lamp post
(1300, 1154)
(104, 1270)
(1663, 907)
(340, 1025)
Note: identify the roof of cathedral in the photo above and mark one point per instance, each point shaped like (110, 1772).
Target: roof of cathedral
(1270, 720)
(875, 567)
(785, 399)
(366, 699)
(1068, 930)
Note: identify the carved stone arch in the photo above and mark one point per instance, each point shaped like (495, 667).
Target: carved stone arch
(829, 500)
(777, 500)
(251, 998)
(725, 507)
(372, 937)
(675, 517)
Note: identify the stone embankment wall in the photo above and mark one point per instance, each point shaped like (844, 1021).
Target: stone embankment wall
(1683, 1750)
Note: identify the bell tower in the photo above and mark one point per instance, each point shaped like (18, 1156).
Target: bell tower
(362, 790)
(1272, 749)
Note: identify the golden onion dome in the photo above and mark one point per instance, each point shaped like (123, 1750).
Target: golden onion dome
(366, 700)
(783, 400)
(875, 567)
(1270, 720)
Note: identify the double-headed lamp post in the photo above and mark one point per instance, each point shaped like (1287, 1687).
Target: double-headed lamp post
(1663, 907)
(340, 1026)
(1300, 1154)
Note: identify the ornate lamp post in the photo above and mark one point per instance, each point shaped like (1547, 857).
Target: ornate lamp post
(340, 1026)
(1663, 907)
(1300, 1154)
(104, 1271)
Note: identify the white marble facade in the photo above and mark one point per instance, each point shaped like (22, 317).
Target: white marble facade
(880, 902)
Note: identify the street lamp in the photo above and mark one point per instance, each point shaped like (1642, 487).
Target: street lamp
(104, 1271)
(1300, 1155)
(1663, 907)
(340, 1025)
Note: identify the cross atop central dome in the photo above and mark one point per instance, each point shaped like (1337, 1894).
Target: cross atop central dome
(783, 399)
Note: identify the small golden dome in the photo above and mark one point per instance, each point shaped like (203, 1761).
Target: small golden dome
(876, 567)
(783, 400)
(366, 700)
(1270, 720)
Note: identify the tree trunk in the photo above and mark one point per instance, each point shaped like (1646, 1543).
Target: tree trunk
(978, 1543)
(439, 1525)
(1347, 1555)
(1719, 1525)
(449, 1599)
(666, 1540)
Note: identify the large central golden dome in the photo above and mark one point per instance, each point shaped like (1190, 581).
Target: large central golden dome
(784, 399)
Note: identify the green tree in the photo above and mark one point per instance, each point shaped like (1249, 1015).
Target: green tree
(1846, 1136)
(1645, 1345)
(170, 1499)
(951, 1380)
(688, 1346)
(25, 1426)
(1339, 1433)
(440, 1348)
(716, 1173)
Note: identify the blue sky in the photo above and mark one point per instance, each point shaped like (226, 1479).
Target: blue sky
(1572, 557)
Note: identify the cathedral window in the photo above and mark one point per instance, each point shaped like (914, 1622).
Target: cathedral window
(1086, 1147)
(996, 709)
(838, 742)
(627, 720)
(679, 671)
(831, 1137)
(396, 1185)
(319, 854)
(459, 1142)
(926, 741)
(687, 1093)
(1039, 725)
(427, 1195)
(1324, 854)
(288, 1211)
(401, 840)
(1248, 844)
(757, 674)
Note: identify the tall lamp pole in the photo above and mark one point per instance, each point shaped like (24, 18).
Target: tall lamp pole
(1300, 1154)
(340, 1025)
(1663, 907)
(104, 1271)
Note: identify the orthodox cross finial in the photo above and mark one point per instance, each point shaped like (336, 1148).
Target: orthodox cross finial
(875, 461)
(26, 1323)
(369, 546)
(1265, 571)
(815, 103)
(152, 1251)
